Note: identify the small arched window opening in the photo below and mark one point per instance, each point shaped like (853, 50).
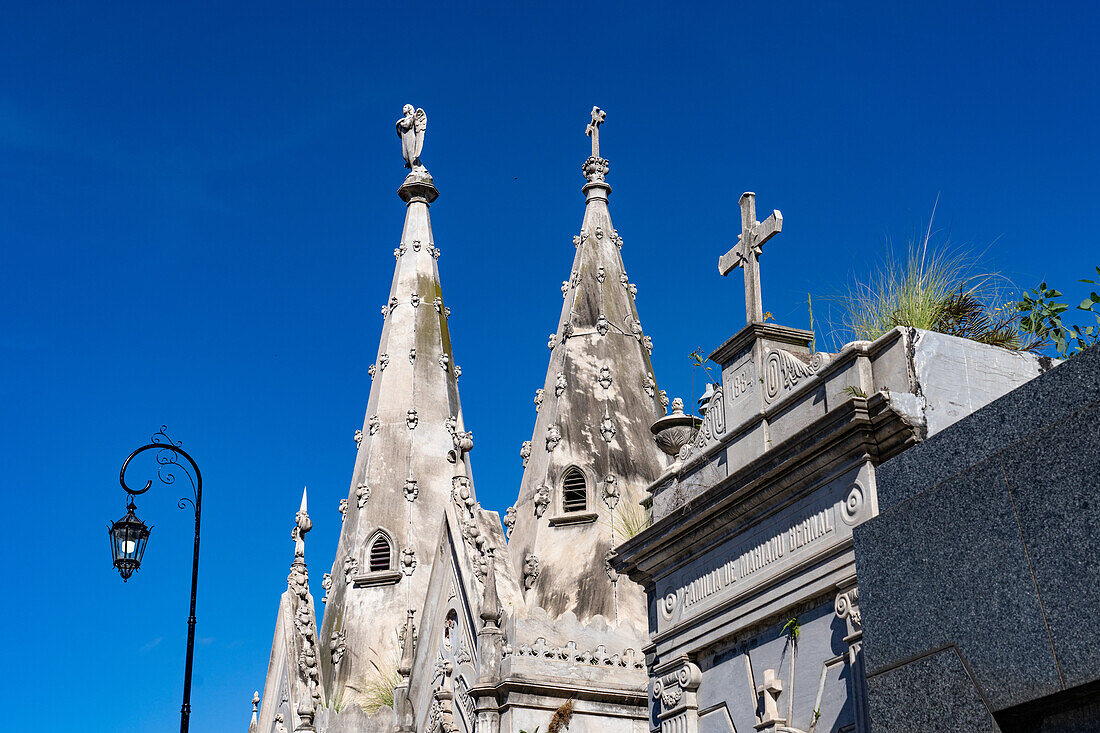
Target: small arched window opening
(379, 555)
(574, 491)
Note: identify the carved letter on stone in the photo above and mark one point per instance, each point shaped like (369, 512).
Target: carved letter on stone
(532, 568)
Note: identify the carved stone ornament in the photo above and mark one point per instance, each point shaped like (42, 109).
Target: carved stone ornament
(373, 424)
(411, 419)
(649, 385)
(596, 169)
(408, 561)
(647, 342)
(553, 437)
(611, 491)
(577, 239)
(362, 493)
(462, 494)
(532, 569)
(326, 581)
(624, 280)
(664, 399)
(434, 252)
(343, 509)
(847, 607)
(351, 566)
(559, 384)
(567, 330)
(411, 490)
(600, 275)
(538, 398)
(438, 302)
(509, 521)
(372, 370)
(412, 356)
(358, 437)
(415, 300)
(525, 452)
(542, 500)
(599, 232)
(383, 362)
(676, 688)
(457, 371)
(607, 428)
(399, 251)
(605, 377)
(564, 288)
(633, 290)
(337, 646)
(552, 341)
(783, 371)
(416, 245)
(851, 511)
(602, 325)
(616, 239)
(612, 574)
(444, 360)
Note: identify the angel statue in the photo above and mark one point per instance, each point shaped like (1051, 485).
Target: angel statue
(411, 129)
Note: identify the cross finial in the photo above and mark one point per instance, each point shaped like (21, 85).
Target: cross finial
(593, 129)
(770, 692)
(746, 254)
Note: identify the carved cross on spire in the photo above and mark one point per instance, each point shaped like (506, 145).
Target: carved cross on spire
(593, 129)
(746, 254)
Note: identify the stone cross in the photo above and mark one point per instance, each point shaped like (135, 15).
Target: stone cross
(746, 254)
(770, 692)
(593, 129)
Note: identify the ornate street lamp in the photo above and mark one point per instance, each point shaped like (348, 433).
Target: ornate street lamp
(129, 535)
(128, 538)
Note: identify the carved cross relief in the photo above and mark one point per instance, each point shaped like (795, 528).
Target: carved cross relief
(746, 254)
(770, 692)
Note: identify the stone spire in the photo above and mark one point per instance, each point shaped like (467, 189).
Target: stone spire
(254, 727)
(591, 454)
(411, 450)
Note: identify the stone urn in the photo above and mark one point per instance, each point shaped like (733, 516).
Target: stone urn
(675, 430)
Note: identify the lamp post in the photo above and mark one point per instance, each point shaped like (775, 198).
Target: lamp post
(129, 535)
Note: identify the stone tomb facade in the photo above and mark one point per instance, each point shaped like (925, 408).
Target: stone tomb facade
(748, 565)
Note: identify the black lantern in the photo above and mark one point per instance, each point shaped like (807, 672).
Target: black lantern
(128, 538)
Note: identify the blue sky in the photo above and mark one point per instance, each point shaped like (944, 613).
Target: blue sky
(198, 212)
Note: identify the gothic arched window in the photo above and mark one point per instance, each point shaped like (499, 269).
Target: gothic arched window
(574, 491)
(379, 554)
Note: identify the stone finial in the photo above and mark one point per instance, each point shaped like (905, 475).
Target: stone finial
(254, 726)
(490, 602)
(302, 525)
(595, 168)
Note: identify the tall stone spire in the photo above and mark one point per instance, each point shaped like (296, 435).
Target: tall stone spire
(591, 454)
(412, 449)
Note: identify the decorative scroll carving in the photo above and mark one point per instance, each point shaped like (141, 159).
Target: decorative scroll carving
(851, 511)
(847, 606)
(675, 685)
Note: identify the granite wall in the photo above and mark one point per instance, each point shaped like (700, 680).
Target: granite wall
(980, 579)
